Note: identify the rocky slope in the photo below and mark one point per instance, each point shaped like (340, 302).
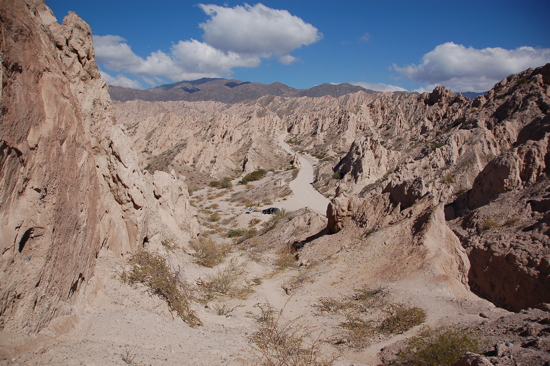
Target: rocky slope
(415, 157)
(70, 183)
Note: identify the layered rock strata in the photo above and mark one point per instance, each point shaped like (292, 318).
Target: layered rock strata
(70, 181)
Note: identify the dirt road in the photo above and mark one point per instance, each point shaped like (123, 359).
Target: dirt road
(304, 195)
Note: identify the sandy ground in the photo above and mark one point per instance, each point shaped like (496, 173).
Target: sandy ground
(116, 324)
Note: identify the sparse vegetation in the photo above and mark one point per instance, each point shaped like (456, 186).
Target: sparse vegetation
(448, 178)
(255, 175)
(367, 314)
(224, 183)
(513, 221)
(168, 243)
(224, 308)
(401, 318)
(282, 343)
(489, 224)
(441, 346)
(253, 222)
(285, 259)
(151, 270)
(208, 253)
(214, 217)
(229, 281)
(129, 355)
(236, 233)
(275, 219)
(337, 175)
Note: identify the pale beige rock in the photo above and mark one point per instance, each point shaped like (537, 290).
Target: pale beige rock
(70, 180)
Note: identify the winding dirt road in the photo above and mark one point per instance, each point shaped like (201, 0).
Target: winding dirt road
(304, 195)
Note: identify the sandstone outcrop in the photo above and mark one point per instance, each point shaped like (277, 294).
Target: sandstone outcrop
(70, 182)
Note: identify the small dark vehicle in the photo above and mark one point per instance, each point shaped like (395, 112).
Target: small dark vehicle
(271, 210)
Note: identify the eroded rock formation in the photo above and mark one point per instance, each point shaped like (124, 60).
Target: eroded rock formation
(70, 183)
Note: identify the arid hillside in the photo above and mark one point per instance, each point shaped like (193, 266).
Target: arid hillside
(133, 232)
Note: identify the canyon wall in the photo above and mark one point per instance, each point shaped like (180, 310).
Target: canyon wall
(70, 183)
(458, 181)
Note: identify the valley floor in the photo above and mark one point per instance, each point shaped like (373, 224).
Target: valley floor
(118, 324)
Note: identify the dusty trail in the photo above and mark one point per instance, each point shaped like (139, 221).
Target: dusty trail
(304, 195)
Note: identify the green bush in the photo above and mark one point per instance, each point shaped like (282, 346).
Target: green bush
(224, 183)
(441, 346)
(255, 175)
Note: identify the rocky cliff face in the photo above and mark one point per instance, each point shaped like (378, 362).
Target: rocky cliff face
(70, 183)
(485, 160)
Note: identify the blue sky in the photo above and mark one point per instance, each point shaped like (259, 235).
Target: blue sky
(382, 44)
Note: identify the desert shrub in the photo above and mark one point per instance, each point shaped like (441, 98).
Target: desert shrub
(401, 318)
(285, 259)
(224, 308)
(255, 175)
(282, 343)
(441, 346)
(236, 233)
(295, 173)
(168, 243)
(208, 253)
(229, 281)
(214, 217)
(513, 221)
(225, 183)
(489, 224)
(448, 178)
(275, 219)
(337, 175)
(253, 222)
(190, 191)
(333, 305)
(358, 330)
(280, 215)
(151, 270)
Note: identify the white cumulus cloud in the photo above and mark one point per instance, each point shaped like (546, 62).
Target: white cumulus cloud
(379, 87)
(463, 68)
(234, 37)
(257, 31)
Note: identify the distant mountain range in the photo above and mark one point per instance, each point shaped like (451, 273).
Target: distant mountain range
(233, 91)
(227, 91)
